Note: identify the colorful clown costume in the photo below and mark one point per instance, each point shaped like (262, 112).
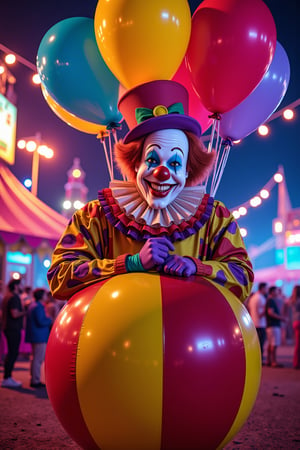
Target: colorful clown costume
(104, 232)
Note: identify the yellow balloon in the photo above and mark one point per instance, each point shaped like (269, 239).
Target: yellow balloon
(71, 119)
(142, 41)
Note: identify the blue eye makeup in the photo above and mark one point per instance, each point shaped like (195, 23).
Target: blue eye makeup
(152, 159)
(175, 162)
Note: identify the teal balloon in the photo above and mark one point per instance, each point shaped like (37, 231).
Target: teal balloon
(74, 73)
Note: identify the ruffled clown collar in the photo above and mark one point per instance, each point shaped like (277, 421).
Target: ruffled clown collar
(126, 209)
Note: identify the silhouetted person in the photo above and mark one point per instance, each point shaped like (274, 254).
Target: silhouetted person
(13, 314)
(295, 304)
(257, 308)
(274, 319)
(37, 333)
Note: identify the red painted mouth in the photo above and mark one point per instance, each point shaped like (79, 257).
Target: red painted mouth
(160, 190)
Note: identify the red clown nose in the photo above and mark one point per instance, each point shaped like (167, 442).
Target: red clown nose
(162, 173)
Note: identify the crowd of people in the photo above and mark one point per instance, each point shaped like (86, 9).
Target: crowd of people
(277, 319)
(26, 319)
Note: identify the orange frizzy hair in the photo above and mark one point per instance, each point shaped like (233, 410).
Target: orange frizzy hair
(128, 156)
(199, 164)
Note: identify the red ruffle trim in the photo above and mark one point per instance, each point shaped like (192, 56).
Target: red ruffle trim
(138, 231)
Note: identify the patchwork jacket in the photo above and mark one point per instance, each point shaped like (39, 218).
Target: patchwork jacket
(101, 235)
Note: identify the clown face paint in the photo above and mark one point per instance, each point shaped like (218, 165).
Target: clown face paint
(161, 175)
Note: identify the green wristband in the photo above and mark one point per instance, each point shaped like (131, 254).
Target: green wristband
(133, 263)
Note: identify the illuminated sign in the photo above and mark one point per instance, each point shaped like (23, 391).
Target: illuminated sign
(292, 238)
(293, 258)
(8, 124)
(18, 258)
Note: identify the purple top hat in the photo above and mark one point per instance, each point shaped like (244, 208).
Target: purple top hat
(157, 105)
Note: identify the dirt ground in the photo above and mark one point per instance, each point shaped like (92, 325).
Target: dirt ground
(27, 420)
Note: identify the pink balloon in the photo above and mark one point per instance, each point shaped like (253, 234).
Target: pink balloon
(196, 108)
(231, 47)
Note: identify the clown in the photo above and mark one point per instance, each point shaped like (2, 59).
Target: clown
(161, 219)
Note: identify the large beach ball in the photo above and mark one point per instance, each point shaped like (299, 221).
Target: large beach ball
(143, 361)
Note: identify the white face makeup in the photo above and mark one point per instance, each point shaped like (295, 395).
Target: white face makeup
(161, 175)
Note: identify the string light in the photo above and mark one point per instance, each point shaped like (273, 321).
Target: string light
(278, 177)
(36, 79)
(10, 59)
(255, 201)
(243, 211)
(264, 193)
(258, 200)
(67, 204)
(243, 232)
(78, 204)
(288, 114)
(236, 214)
(263, 130)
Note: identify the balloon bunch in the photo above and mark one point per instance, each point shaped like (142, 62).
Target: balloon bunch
(83, 63)
(237, 68)
(224, 55)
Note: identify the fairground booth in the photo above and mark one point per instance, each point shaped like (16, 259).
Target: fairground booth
(29, 229)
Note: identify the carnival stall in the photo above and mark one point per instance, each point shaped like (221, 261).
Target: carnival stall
(29, 230)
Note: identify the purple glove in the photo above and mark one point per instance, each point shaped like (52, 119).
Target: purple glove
(179, 266)
(155, 252)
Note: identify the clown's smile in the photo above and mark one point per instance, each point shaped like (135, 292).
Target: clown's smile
(160, 190)
(161, 175)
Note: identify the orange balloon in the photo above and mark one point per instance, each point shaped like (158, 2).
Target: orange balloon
(142, 41)
(71, 119)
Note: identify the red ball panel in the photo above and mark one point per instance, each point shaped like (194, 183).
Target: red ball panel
(60, 367)
(204, 358)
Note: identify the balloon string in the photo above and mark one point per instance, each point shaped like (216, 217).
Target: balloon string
(111, 156)
(210, 146)
(226, 144)
(114, 134)
(222, 168)
(216, 175)
(215, 170)
(216, 164)
(115, 137)
(106, 157)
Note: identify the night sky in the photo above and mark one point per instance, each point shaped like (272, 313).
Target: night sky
(251, 164)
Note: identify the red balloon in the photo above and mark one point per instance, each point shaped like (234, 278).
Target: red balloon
(231, 47)
(196, 108)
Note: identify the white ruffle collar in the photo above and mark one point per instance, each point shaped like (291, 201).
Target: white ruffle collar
(133, 204)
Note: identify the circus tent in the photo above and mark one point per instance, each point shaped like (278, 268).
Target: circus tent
(29, 230)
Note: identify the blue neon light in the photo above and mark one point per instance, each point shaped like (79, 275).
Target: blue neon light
(18, 258)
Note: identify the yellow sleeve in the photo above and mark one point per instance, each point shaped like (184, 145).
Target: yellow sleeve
(223, 257)
(83, 254)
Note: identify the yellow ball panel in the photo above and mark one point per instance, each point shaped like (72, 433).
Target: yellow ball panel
(119, 363)
(253, 363)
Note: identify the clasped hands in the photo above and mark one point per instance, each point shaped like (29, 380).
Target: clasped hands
(155, 255)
